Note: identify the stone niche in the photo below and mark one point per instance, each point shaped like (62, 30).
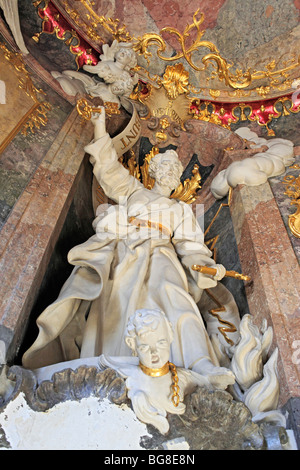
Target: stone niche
(63, 219)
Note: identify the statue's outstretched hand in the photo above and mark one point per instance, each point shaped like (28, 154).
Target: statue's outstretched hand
(221, 271)
(98, 120)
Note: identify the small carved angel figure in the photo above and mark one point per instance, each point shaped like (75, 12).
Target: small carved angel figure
(114, 70)
(155, 386)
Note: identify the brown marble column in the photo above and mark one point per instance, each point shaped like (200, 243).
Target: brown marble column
(266, 254)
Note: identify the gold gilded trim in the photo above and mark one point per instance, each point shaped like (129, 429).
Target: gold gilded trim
(170, 97)
(293, 191)
(238, 80)
(155, 372)
(169, 366)
(276, 73)
(148, 182)
(112, 26)
(150, 224)
(36, 116)
(187, 191)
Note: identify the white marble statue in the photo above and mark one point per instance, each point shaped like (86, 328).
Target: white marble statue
(140, 257)
(257, 169)
(155, 387)
(113, 69)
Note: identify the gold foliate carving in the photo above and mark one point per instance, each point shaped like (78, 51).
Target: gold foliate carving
(293, 192)
(187, 191)
(236, 80)
(161, 135)
(148, 182)
(175, 80)
(170, 97)
(37, 116)
(141, 44)
(201, 112)
(131, 164)
(112, 26)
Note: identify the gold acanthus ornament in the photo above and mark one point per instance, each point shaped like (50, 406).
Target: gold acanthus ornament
(168, 98)
(293, 191)
(186, 191)
(276, 76)
(238, 80)
(38, 114)
(175, 81)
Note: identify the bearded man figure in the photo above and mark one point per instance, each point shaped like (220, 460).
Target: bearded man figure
(140, 257)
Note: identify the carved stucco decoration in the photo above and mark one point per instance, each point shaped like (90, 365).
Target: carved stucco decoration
(36, 109)
(267, 91)
(66, 384)
(201, 55)
(168, 99)
(213, 419)
(293, 192)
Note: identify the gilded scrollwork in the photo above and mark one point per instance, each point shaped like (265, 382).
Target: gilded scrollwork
(171, 96)
(237, 80)
(276, 73)
(293, 192)
(36, 116)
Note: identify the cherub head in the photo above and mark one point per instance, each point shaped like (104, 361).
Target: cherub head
(149, 335)
(123, 85)
(125, 56)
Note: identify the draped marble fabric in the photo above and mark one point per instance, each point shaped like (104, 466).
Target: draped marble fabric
(127, 266)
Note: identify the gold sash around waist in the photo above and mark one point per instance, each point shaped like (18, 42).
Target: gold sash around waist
(150, 224)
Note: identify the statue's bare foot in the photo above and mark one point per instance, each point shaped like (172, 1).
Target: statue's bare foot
(219, 377)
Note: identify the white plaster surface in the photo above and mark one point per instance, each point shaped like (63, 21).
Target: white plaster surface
(88, 424)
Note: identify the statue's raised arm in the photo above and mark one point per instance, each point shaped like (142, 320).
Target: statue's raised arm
(114, 179)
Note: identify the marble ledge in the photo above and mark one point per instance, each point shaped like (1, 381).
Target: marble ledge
(267, 256)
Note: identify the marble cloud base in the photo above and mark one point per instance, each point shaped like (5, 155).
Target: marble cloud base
(266, 254)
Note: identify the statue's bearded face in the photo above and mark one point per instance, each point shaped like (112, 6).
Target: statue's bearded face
(167, 169)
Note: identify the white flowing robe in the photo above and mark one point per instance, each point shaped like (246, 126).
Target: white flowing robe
(124, 267)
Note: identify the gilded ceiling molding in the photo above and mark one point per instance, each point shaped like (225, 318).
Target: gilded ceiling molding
(174, 85)
(262, 112)
(91, 23)
(170, 96)
(112, 26)
(293, 192)
(238, 80)
(53, 22)
(36, 116)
